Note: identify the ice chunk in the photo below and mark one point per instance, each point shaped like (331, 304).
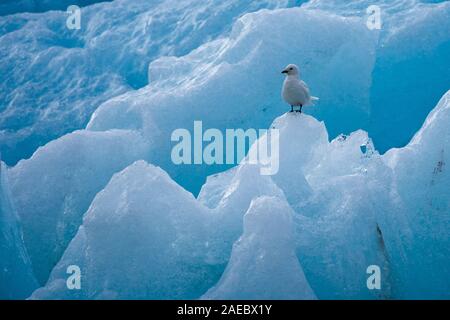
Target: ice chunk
(361, 209)
(214, 189)
(54, 188)
(364, 209)
(142, 238)
(263, 264)
(337, 208)
(339, 237)
(421, 250)
(16, 276)
(171, 232)
(303, 142)
(145, 222)
(337, 192)
(225, 223)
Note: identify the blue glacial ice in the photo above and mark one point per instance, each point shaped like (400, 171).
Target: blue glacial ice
(154, 111)
(58, 183)
(127, 251)
(363, 209)
(53, 78)
(16, 276)
(64, 75)
(176, 246)
(420, 182)
(83, 199)
(267, 247)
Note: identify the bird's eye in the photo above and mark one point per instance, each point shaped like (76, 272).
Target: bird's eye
(291, 69)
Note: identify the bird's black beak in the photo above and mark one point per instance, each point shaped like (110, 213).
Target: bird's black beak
(284, 71)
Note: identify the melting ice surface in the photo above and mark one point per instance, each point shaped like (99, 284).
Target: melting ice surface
(108, 198)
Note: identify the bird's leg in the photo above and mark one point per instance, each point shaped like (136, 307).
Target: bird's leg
(301, 106)
(292, 108)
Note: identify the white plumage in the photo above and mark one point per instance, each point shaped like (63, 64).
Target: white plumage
(295, 91)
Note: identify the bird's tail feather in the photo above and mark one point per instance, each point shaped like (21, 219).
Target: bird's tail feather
(314, 99)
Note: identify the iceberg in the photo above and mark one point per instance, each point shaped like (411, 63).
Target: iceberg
(178, 254)
(336, 190)
(109, 199)
(420, 250)
(236, 194)
(263, 264)
(391, 211)
(143, 237)
(246, 233)
(54, 188)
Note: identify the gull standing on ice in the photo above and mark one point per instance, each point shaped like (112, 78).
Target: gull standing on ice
(295, 91)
